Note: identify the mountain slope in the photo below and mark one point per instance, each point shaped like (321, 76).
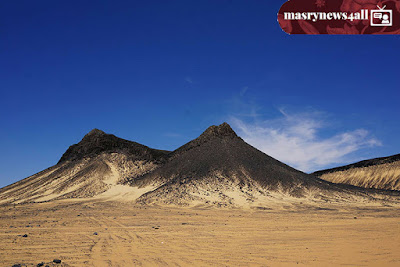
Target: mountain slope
(220, 149)
(220, 168)
(380, 173)
(97, 164)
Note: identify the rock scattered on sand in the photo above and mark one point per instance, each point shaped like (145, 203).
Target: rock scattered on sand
(25, 235)
(95, 233)
(57, 261)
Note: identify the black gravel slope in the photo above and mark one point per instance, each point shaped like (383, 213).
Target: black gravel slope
(220, 149)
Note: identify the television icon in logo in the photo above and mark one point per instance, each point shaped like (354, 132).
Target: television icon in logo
(381, 17)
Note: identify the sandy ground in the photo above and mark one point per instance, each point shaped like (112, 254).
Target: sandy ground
(165, 236)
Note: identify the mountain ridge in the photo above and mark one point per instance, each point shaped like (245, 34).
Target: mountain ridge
(378, 173)
(361, 164)
(217, 168)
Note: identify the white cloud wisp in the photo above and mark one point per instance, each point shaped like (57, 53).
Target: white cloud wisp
(295, 140)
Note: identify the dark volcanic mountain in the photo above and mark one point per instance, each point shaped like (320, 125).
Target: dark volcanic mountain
(220, 150)
(220, 168)
(217, 168)
(381, 173)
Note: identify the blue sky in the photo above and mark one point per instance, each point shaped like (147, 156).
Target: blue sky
(160, 72)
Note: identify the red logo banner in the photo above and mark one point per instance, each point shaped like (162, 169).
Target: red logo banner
(340, 17)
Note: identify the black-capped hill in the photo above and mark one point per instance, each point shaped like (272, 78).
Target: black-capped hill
(90, 168)
(96, 142)
(218, 151)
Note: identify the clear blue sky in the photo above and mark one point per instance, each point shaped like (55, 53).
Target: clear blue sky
(160, 72)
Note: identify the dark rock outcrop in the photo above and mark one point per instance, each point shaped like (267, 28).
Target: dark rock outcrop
(97, 142)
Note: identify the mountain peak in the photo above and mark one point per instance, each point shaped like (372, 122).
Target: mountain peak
(96, 142)
(221, 130)
(95, 132)
(215, 133)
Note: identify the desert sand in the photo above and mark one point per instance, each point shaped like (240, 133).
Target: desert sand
(129, 235)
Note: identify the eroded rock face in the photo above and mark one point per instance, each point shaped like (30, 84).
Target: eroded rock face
(379, 173)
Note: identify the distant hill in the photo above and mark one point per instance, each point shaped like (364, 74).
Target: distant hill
(380, 173)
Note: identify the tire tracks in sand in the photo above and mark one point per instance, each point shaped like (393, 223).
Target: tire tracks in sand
(114, 245)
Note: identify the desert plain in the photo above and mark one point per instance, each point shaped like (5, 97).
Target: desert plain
(98, 233)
